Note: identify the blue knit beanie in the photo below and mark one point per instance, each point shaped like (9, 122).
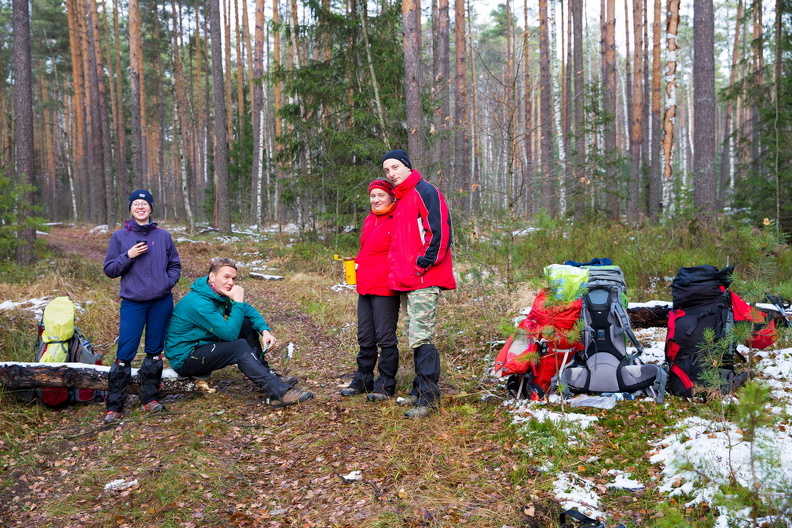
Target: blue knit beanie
(141, 194)
(398, 155)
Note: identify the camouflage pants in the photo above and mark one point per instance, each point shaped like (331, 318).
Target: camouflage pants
(419, 309)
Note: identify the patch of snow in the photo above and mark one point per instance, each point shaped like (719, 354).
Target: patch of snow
(576, 492)
(703, 454)
(623, 481)
(104, 228)
(34, 305)
(265, 277)
(120, 484)
(343, 287)
(525, 410)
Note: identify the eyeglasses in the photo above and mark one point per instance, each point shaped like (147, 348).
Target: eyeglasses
(140, 204)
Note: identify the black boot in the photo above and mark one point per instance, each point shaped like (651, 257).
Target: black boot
(388, 366)
(117, 380)
(150, 374)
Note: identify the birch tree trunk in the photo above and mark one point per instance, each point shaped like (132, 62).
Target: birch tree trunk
(670, 107)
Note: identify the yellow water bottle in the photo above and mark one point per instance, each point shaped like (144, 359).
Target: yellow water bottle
(349, 269)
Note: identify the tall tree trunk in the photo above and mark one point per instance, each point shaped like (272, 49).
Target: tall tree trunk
(105, 156)
(259, 124)
(578, 21)
(546, 109)
(25, 165)
(222, 211)
(77, 133)
(461, 122)
(530, 129)
(226, 56)
(704, 110)
(137, 100)
(758, 82)
(441, 68)
(636, 115)
(411, 26)
(608, 26)
(670, 107)
(725, 186)
(119, 119)
(655, 197)
(183, 138)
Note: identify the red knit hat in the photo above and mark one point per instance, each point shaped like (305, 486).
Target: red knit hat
(385, 185)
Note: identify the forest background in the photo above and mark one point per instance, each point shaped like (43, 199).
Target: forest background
(276, 112)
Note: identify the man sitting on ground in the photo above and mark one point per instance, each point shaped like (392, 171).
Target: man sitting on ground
(213, 327)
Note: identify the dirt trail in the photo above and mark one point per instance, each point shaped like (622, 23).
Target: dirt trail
(331, 462)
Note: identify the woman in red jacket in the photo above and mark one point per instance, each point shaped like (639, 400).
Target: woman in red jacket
(378, 306)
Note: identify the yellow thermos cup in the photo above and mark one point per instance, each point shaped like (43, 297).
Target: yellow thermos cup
(349, 269)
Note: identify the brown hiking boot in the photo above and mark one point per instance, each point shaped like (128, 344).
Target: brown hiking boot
(292, 397)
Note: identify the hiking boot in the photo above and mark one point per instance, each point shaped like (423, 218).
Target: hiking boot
(350, 391)
(377, 397)
(409, 400)
(153, 406)
(419, 411)
(113, 417)
(292, 397)
(291, 381)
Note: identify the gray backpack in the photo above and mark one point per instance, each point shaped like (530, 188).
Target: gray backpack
(604, 365)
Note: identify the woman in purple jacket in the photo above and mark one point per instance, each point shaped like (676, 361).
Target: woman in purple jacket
(145, 258)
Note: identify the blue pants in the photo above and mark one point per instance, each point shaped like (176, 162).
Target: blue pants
(135, 315)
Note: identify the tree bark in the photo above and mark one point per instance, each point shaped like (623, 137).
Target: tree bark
(222, 215)
(578, 185)
(655, 198)
(636, 114)
(547, 170)
(670, 107)
(23, 132)
(726, 151)
(461, 121)
(441, 69)
(411, 26)
(137, 107)
(22, 376)
(608, 30)
(704, 108)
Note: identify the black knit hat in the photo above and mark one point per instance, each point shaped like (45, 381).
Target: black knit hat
(141, 194)
(398, 155)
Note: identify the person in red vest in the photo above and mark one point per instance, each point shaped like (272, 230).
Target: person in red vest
(420, 267)
(378, 305)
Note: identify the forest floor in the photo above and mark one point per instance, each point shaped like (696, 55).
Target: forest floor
(228, 459)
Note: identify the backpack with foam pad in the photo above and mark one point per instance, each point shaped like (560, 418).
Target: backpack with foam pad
(547, 339)
(61, 342)
(702, 300)
(604, 364)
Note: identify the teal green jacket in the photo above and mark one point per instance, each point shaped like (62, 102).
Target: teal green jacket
(203, 316)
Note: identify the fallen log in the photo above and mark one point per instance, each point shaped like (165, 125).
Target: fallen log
(656, 315)
(16, 376)
(649, 316)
